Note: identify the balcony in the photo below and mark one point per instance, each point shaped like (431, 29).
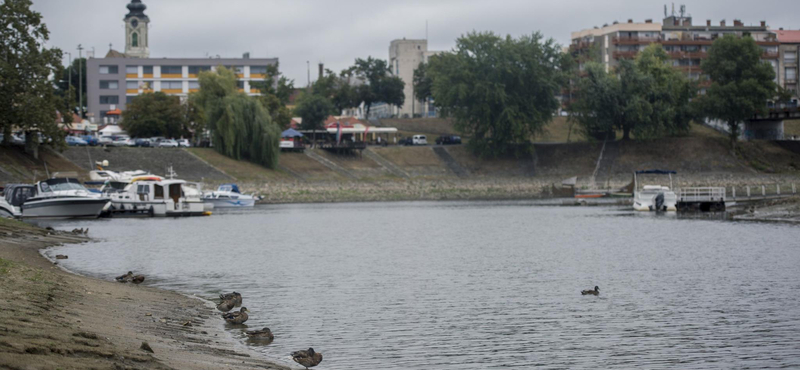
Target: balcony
(687, 54)
(172, 91)
(580, 45)
(687, 42)
(769, 55)
(257, 76)
(617, 40)
(625, 54)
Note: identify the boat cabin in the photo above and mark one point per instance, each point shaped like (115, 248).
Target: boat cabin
(16, 194)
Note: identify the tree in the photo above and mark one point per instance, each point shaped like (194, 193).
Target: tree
(645, 97)
(500, 91)
(240, 126)
(422, 82)
(337, 88)
(155, 114)
(276, 93)
(27, 97)
(73, 75)
(313, 109)
(379, 86)
(741, 83)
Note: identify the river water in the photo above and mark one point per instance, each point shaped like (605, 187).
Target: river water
(478, 285)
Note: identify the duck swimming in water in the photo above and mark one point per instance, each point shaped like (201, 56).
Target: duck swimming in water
(236, 317)
(596, 291)
(235, 297)
(260, 334)
(307, 358)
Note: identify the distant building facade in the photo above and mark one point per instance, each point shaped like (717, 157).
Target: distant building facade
(404, 58)
(686, 44)
(112, 82)
(788, 53)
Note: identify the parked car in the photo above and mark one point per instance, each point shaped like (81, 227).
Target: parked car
(91, 140)
(75, 141)
(405, 141)
(448, 140)
(184, 143)
(419, 140)
(105, 140)
(168, 143)
(142, 142)
(122, 141)
(154, 141)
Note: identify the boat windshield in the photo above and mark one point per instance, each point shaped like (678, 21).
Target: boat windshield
(61, 186)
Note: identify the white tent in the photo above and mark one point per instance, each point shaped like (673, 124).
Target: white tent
(112, 130)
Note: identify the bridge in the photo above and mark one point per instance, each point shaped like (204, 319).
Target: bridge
(770, 125)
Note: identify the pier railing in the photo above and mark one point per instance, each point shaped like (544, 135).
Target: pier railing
(758, 192)
(701, 194)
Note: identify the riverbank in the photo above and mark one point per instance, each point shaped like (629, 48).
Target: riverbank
(778, 210)
(52, 319)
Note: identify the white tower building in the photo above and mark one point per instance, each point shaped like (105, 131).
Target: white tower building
(136, 27)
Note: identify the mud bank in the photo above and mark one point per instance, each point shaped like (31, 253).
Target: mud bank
(52, 319)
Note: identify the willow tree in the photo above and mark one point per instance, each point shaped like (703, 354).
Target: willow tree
(240, 126)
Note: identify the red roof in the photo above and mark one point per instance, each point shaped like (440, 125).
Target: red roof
(346, 122)
(115, 112)
(788, 36)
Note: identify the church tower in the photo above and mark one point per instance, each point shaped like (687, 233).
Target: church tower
(136, 22)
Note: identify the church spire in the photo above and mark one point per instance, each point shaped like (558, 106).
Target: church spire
(136, 30)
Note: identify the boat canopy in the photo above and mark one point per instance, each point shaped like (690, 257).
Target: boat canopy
(229, 187)
(656, 172)
(16, 194)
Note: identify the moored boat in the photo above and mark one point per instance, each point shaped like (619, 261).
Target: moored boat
(155, 196)
(657, 198)
(229, 196)
(52, 198)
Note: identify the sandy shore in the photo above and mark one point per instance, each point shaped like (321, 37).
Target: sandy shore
(52, 319)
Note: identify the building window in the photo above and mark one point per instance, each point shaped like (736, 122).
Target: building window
(790, 56)
(146, 85)
(791, 74)
(171, 85)
(132, 85)
(258, 70)
(132, 70)
(109, 84)
(171, 70)
(135, 40)
(109, 99)
(129, 99)
(148, 70)
(108, 70)
(240, 85)
(239, 70)
(195, 70)
(194, 85)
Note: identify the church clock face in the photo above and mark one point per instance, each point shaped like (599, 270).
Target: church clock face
(134, 23)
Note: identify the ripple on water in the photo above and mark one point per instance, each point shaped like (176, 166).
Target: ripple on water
(479, 285)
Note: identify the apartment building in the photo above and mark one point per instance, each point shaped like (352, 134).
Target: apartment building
(686, 44)
(404, 57)
(113, 81)
(788, 53)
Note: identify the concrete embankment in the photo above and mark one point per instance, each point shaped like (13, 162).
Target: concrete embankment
(445, 172)
(52, 319)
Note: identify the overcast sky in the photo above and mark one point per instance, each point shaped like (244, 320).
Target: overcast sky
(335, 32)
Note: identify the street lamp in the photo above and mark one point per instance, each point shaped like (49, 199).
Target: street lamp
(80, 79)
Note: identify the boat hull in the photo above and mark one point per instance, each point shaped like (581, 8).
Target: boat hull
(157, 209)
(63, 207)
(230, 203)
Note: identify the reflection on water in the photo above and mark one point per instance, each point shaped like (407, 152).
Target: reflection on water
(473, 285)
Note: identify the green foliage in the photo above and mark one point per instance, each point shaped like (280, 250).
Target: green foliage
(27, 97)
(337, 88)
(155, 114)
(276, 95)
(380, 85)
(645, 97)
(422, 82)
(240, 126)
(741, 83)
(72, 75)
(314, 109)
(500, 91)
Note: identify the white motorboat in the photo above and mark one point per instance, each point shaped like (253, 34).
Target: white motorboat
(105, 175)
(52, 198)
(155, 196)
(657, 198)
(229, 196)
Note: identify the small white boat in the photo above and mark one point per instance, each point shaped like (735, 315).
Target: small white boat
(229, 196)
(53, 198)
(657, 198)
(155, 196)
(105, 175)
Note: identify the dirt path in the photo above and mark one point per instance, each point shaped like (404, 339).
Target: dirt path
(52, 319)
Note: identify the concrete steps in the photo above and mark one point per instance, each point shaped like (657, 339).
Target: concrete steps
(386, 164)
(451, 163)
(311, 153)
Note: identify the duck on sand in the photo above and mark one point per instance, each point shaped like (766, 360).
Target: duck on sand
(307, 358)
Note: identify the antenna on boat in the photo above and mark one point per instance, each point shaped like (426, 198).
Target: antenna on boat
(170, 173)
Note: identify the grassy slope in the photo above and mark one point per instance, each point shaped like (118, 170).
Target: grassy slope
(241, 170)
